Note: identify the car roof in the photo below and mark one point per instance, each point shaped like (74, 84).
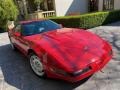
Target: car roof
(29, 21)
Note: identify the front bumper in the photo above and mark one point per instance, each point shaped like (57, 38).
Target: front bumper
(94, 68)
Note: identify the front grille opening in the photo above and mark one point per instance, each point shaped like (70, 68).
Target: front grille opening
(81, 72)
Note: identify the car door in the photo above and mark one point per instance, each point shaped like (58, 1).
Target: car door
(19, 40)
(15, 34)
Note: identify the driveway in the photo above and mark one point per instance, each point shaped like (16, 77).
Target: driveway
(15, 72)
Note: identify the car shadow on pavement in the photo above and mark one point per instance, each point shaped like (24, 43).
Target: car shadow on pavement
(17, 73)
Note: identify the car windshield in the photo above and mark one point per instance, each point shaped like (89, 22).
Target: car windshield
(39, 27)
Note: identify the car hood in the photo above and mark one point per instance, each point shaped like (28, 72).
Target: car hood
(73, 48)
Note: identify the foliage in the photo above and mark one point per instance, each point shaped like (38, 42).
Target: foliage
(88, 20)
(38, 2)
(8, 11)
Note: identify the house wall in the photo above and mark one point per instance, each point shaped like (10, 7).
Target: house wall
(100, 7)
(117, 4)
(69, 7)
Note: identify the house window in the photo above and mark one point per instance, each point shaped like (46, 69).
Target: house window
(47, 5)
(108, 4)
(93, 5)
(50, 4)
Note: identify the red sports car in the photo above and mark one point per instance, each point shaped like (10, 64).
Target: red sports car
(64, 53)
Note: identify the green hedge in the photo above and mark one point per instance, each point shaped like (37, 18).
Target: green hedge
(8, 11)
(88, 20)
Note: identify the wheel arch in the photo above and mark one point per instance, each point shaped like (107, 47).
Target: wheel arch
(34, 51)
(38, 51)
(30, 51)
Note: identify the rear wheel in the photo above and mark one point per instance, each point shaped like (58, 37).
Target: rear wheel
(12, 45)
(36, 65)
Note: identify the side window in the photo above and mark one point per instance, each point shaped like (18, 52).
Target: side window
(108, 4)
(41, 27)
(17, 28)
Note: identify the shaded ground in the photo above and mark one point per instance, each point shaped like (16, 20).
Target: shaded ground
(15, 73)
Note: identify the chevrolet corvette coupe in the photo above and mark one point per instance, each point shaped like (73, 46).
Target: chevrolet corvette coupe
(63, 53)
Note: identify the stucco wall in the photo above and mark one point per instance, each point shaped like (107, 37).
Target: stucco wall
(67, 7)
(100, 5)
(117, 4)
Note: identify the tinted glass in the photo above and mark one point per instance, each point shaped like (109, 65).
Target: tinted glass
(39, 27)
(17, 28)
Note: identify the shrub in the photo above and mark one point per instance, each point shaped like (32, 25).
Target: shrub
(8, 11)
(88, 20)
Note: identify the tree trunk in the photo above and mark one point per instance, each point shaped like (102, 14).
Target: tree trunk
(38, 7)
(25, 8)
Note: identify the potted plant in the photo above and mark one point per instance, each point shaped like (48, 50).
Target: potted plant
(38, 2)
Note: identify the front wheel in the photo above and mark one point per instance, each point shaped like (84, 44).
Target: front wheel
(36, 65)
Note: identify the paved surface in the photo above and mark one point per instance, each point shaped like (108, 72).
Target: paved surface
(15, 73)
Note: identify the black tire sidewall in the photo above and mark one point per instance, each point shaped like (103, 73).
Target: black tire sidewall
(14, 48)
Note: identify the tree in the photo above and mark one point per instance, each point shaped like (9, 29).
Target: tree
(8, 11)
(25, 8)
(38, 2)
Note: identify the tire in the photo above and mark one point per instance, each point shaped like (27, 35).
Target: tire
(12, 45)
(36, 65)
